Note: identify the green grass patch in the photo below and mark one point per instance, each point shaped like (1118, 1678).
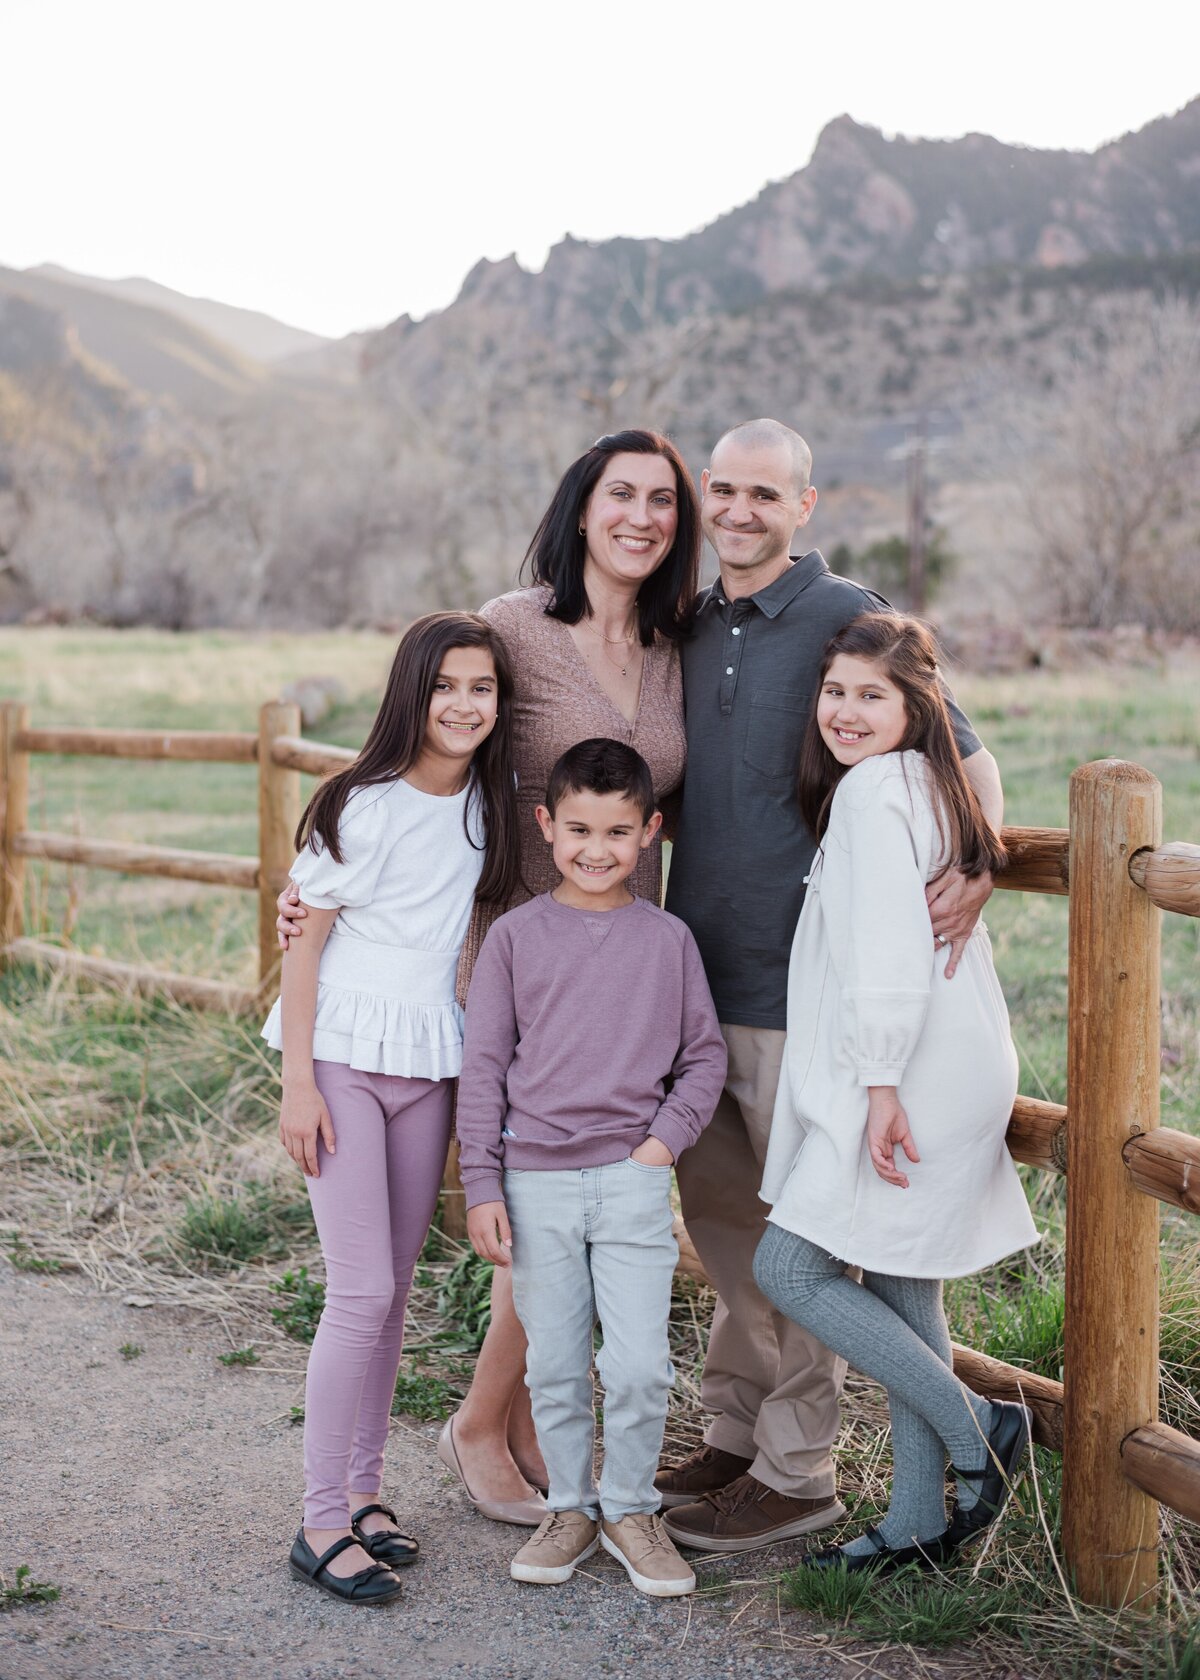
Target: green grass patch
(239, 1357)
(912, 1607)
(420, 1394)
(26, 1591)
(221, 1232)
(301, 1299)
(25, 1260)
(465, 1302)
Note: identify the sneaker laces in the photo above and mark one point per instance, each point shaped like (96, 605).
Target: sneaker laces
(743, 1490)
(649, 1529)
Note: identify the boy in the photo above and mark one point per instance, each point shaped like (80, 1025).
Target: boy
(592, 1059)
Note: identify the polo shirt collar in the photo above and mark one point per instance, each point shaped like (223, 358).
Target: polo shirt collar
(776, 596)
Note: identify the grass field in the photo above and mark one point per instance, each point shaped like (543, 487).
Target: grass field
(136, 1140)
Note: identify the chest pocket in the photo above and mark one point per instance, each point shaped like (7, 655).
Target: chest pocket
(775, 728)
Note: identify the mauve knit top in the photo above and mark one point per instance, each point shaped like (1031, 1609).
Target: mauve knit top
(557, 703)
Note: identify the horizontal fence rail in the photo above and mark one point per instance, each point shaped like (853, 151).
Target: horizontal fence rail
(216, 869)
(188, 989)
(203, 745)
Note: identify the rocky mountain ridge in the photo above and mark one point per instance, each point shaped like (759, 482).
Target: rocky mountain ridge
(149, 470)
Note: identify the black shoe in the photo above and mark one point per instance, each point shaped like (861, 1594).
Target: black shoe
(388, 1548)
(375, 1585)
(885, 1559)
(1006, 1443)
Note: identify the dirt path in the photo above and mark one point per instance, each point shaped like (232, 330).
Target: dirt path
(160, 1494)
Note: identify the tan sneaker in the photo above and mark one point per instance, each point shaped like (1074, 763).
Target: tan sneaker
(650, 1560)
(550, 1555)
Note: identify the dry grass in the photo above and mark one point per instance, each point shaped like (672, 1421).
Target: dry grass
(133, 1134)
(119, 1119)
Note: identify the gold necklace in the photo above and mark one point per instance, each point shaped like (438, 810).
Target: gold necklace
(610, 641)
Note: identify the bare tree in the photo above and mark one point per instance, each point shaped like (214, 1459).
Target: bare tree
(1114, 500)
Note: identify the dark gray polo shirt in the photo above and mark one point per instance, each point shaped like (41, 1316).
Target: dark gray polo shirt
(742, 849)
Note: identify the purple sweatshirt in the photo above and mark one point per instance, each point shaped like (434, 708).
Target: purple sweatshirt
(576, 1020)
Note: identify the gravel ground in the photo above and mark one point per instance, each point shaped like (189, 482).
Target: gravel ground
(161, 1494)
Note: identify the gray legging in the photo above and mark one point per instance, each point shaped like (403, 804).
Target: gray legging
(894, 1330)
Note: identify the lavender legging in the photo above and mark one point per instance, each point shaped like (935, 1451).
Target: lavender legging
(373, 1204)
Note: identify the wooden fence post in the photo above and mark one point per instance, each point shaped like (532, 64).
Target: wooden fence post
(14, 820)
(278, 815)
(1110, 1374)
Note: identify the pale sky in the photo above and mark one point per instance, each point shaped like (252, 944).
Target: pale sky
(339, 164)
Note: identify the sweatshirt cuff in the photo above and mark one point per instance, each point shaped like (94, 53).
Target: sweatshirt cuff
(483, 1187)
(671, 1132)
(885, 1073)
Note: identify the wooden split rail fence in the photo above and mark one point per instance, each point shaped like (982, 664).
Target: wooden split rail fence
(1119, 1461)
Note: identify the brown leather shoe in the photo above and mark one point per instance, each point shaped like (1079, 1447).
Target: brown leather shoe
(746, 1514)
(704, 1471)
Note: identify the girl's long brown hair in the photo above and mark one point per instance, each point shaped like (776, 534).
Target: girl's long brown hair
(398, 732)
(907, 654)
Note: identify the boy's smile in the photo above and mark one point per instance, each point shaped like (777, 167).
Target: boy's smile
(597, 838)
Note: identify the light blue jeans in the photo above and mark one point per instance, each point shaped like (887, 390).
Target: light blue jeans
(596, 1243)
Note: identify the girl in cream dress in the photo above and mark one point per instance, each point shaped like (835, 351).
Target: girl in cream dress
(887, 1149)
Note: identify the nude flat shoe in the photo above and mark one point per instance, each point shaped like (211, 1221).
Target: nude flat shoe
(524, 1513)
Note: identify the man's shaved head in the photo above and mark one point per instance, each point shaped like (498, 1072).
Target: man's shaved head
(773, 434)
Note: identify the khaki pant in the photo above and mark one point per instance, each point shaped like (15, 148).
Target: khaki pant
(774, 1387)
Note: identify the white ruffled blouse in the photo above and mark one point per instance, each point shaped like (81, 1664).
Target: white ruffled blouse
(405, 891)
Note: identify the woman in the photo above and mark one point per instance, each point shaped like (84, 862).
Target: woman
(614, 565)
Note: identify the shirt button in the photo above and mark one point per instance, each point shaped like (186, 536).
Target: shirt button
(729, 670)
(737, 630)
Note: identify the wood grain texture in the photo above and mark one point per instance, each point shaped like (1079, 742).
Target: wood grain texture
(14, 816)
(1037, 1134)
(278, 818)
(1111, 1325)
(210, 746)
(1170, 875)
(1038, 860)
(1165, 1464)
(220, 869)
(1166, 1164)
(133, 977)
(315, 758)
(998, 1381)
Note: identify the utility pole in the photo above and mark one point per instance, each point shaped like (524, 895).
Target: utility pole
(917, 583)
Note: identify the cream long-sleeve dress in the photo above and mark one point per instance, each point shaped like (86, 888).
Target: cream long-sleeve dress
(869, 1004)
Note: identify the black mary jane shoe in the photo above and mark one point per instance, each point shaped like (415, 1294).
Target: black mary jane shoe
(1007, 1440)
(376, 1585)
(386, 1547)
(885, 1559)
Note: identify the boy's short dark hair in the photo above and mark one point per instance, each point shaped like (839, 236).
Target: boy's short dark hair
(602, 765)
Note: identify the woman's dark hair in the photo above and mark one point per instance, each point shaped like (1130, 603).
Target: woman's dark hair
(555, 556)
(907, 653)
(398, 733)
(601, 765)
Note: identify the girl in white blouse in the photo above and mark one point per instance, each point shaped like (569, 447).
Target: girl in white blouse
(887, 1148)
(394, 851)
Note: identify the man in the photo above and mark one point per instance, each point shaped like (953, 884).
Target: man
(741, 858)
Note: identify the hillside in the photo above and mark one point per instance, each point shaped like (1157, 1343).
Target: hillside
(260, 337)
(981, 295)
(153, 351)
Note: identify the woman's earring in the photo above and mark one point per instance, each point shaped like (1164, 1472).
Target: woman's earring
(583, 530)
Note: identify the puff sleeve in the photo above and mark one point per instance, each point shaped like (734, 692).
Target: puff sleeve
(363, 832)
